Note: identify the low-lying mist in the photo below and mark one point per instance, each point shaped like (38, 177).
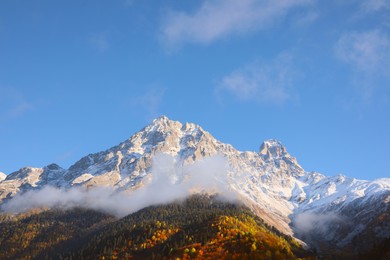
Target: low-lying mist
(170, 181)
(320, 223)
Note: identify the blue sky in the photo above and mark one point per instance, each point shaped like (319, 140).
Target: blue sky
(77, 77)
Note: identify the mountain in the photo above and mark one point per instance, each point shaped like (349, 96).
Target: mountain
(326, 212)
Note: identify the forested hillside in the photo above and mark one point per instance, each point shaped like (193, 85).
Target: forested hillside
(199, 228)
(24, 237)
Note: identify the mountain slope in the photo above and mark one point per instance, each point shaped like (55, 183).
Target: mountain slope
(201, 227)
(29, 178)
(270, 182)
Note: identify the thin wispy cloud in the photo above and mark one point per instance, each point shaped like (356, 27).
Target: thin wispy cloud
(99, 41)
(375, 5)
(371, 8)
(216, 19)
(306, 18)
(19, 109)
(13, 104)
(265, 83)
(368, 55)
(128, 3)
(149, 102)
(65, 156)
(365, 51)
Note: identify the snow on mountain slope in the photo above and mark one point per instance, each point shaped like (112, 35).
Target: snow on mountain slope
(2, 176)
(29, 178)
(270, 181)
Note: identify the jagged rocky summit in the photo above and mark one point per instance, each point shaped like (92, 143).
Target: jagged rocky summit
(270, 182)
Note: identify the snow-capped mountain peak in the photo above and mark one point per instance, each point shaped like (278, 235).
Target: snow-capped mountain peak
(162, 124)
(273, 149)
(270, 181)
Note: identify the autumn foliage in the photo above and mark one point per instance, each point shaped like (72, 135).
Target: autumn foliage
(201, 227)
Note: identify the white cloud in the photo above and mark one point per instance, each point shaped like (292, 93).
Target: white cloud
(260, 82)
(170, 181)
(367, 51)
(219, 18)
(307, 222)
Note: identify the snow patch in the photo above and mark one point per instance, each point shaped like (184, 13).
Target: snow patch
(2, 176)
(82, 178)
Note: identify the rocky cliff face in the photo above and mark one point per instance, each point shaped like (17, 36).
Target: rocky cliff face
(270, 181)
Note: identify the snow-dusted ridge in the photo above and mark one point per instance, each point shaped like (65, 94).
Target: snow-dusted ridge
(270, 181)
(2, 176)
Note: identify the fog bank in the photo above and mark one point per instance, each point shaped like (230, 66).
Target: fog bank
(170, 181)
